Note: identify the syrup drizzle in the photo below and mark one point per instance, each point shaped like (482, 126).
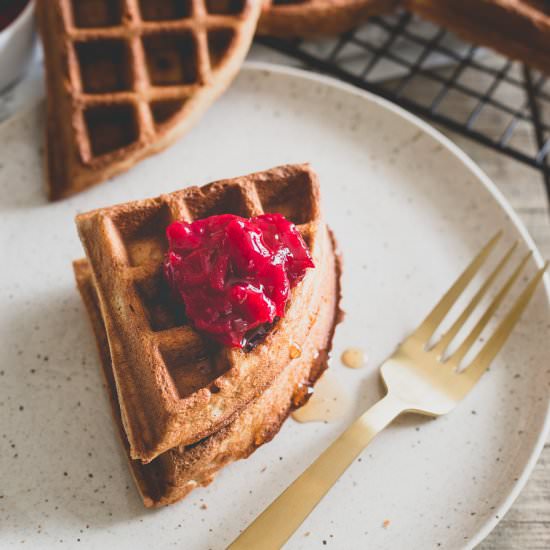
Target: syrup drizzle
(294, 351)
(328, 402)
(353, 358)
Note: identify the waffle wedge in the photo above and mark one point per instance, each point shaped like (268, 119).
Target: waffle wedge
(519, 29)
(126, 78)
(310, 18)
(177, 471)
(174, 386)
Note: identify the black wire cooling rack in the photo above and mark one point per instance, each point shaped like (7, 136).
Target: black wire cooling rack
(499, 99)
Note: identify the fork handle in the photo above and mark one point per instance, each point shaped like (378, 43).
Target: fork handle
(276, 524)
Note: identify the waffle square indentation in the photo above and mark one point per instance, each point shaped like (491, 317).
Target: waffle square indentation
(143, 234)
(227, 200)
(165, 10)
(225, 7)
(96, 13)
(171, 58)
(293, 198)
(219, 44)
(163, 310)
(110, 127)
(193, 366)
(165, 109)
(104, 66)
(289, 2)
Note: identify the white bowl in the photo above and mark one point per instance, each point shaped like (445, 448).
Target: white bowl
(16, 46)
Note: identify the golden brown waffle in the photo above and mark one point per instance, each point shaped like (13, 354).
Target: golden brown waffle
(318, 17)
(519, 29)
(175, 387)
(125, 78)
(177, 471)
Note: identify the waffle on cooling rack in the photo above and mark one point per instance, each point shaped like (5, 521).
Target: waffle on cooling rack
(125, 78)
(175, 387)
(519, 29)
(318, 17)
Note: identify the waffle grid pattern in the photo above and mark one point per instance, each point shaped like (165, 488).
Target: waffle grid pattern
(191, 363)
(131, 238)
(133, 64)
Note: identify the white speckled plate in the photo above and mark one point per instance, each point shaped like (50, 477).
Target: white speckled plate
(409, 210)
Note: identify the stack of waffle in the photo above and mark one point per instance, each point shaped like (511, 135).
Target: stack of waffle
(186, 406)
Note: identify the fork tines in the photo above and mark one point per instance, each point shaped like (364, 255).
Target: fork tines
(481, 361)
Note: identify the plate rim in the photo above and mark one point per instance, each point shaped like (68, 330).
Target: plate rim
(483, 179)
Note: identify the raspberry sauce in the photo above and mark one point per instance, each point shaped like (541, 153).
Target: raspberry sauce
(233, 275)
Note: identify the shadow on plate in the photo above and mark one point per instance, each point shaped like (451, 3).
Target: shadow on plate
(64, 468)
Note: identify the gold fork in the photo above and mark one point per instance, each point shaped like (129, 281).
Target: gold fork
(418, 378)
